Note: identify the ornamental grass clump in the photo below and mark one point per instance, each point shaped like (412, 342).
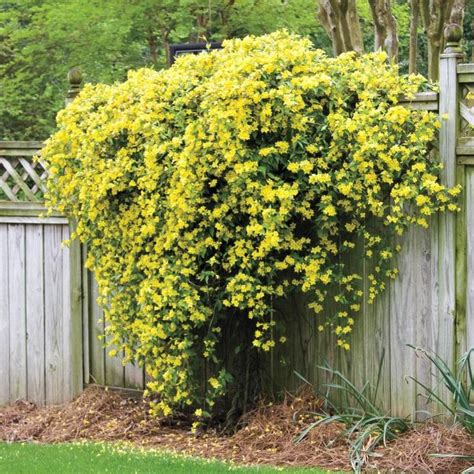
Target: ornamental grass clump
(207, 190)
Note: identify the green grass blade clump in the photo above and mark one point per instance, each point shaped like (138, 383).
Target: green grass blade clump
(366, 424)
(458, 381)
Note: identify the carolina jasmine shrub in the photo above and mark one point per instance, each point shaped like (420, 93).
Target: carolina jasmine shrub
(206, 190)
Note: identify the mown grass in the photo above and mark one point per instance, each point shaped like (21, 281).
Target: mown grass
(83, 458)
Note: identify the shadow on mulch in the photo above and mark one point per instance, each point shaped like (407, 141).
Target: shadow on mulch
(265, 437)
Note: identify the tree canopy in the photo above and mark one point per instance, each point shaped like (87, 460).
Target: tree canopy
(40, 40)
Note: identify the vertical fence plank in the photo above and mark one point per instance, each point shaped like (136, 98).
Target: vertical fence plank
(4, 318)
(66, 316)
(461, 266)
(72, 278)
(96, 328)
(114, 369)
(426, 294)
(403, 314)
(54, 324)
(86, 308)
(17, 310)
(35, 313)
(377, 320)
(469, 343)
(134, 377)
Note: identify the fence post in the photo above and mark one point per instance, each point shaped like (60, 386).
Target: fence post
(78, 332)
(448, 241)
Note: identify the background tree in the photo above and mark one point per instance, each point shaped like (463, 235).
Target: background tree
(414, 23)
(340, 19)
(41, 39)
(385, 27)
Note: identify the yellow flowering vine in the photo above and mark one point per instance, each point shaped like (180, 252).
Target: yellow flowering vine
(207, 190)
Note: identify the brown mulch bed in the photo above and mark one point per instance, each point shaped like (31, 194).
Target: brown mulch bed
(265, 435)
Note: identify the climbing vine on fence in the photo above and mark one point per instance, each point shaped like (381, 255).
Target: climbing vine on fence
(206, 190)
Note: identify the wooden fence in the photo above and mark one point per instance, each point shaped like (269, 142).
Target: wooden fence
(40, 331)
(50, 322)
(431, 303)
(49, 318)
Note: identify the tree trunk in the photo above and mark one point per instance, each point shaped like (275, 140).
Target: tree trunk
(153, 47)
(330, 21)
(434, 50)
(391, 43)
(457, 13)
(435, 15)
(356, 31)
(385, 27)
(341, 22)
(413, 47)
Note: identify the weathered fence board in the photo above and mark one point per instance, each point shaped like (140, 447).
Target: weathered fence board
(37, 344)
(17, 310)
(103, 369)
(35, 313)
(469, 323)
(4, 318)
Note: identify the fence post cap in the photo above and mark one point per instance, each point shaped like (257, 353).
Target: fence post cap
(453, 34)
(74, 77)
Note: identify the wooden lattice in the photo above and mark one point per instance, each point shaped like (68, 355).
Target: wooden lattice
(22, 177)
(466, 99)
(466, 107)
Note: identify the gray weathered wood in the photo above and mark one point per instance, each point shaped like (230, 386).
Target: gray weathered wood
(33, 220)
(20, 144)
(17, 312)
(114, 369)
(134, 376)
(469, 322)
(96, 325)
(466, 78)
(404, 293)
(465, 68)
(72, 273)
(35, 313)
(54, 320)
(466, 113)
(86, 310)
(465, 146)
(19, 152)
(465, 160)
(421, 101)
(24, 209)
(448, 108)
(4, 318)
(19, 181)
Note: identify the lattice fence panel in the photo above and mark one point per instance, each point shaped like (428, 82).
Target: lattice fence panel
(22, 175)
(466, 107)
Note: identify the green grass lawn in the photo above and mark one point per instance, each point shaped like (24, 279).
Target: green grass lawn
(82, 458)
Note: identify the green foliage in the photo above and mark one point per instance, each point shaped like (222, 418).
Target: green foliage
(458, 382)
(367, 424)
(206, 190)
(40, 40)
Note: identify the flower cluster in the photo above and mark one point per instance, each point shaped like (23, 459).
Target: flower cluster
(232, 178)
